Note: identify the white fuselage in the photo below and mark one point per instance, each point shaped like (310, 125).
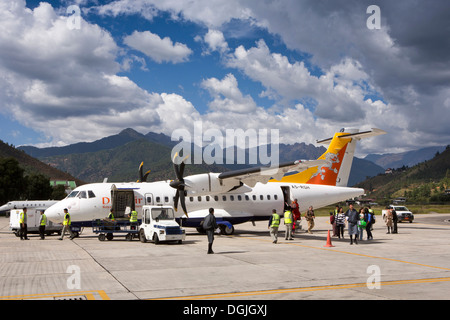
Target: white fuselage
(20, 204)
(240, 205)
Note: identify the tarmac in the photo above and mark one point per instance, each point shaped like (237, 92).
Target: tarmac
(411, 265)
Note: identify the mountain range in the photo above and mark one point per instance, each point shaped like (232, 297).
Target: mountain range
(408, 159)
(117, 157)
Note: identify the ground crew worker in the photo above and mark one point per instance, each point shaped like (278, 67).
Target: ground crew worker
(66, 225)
(42, 224)
(133, 219)
(288, 220)
(274, 224)
(23, 225)
(111, 215)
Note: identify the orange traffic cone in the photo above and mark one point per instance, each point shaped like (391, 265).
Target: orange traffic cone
(328, 241)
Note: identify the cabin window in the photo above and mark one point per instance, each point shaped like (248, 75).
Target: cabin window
(275, 197)
(254, 197)
(199, 199)
(191, 199)
(166, 199)
(216, 198)
(239, 197)
(268, 197)
(224, 198)
(247, 198)
(158, 199)
(261, 197)
(231, 198)
(149, 200)
(207, 198)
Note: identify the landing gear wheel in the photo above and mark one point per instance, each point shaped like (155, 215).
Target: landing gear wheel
(226, 230)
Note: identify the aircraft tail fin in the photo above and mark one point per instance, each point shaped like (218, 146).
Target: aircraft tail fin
(340, 158)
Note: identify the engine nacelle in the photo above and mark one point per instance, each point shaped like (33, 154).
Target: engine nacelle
(207, 184)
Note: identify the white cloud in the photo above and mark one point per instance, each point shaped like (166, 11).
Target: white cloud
(216, 41)
(160, 50)
(63, 82)
(227, 95)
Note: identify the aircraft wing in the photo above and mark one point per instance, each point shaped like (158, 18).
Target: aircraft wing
(251, 176)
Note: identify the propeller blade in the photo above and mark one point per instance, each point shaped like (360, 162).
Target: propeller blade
(175, 200)
(144, 178)
(183, 203)
(140, 171)
(179, 184)
(182, 169)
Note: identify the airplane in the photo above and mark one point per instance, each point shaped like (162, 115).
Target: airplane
(237, 196)
(19, 204)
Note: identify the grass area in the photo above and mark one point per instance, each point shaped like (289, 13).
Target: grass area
(415, 209)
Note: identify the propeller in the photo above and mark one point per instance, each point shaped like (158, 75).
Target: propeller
(179, 184)
(142, 177)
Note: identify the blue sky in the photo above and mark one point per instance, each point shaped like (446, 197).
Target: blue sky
(306, 68)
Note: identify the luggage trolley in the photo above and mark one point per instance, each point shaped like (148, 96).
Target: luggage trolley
(107, 229)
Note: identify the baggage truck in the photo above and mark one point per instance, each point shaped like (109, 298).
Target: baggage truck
(33, 218)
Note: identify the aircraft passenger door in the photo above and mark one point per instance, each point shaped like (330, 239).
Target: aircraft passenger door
(286, 196)
(148, 198)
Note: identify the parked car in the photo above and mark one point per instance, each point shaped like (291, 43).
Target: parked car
(403, 214)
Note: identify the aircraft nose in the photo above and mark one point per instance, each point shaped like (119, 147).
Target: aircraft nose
(54, 213)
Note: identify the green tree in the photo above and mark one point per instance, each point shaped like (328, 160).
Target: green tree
(12, 181)
(38, 187)
(59, 192)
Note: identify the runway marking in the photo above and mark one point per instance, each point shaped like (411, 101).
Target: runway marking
(88, 295)
(298, 290)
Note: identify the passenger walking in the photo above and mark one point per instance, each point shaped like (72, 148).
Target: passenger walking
(309, 216)
(352, 218)
(394, 220)
(288, 221)
(210, 225)
(42, 224)
(340, 223)
(388, 217)
(369, 217)
(296, 215)
(23, 232)
(274, 224)
(66, 225)
(335, 213)
(361, 224)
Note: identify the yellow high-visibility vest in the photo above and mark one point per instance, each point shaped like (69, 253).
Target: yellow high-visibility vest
(275, 220)
(44, 220)
(67, 221)
(287, 217)
(133, 217)
(23, 217)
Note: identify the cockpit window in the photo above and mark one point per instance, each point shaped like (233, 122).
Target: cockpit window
(91, 194)
(82, 195)
(73, 194)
